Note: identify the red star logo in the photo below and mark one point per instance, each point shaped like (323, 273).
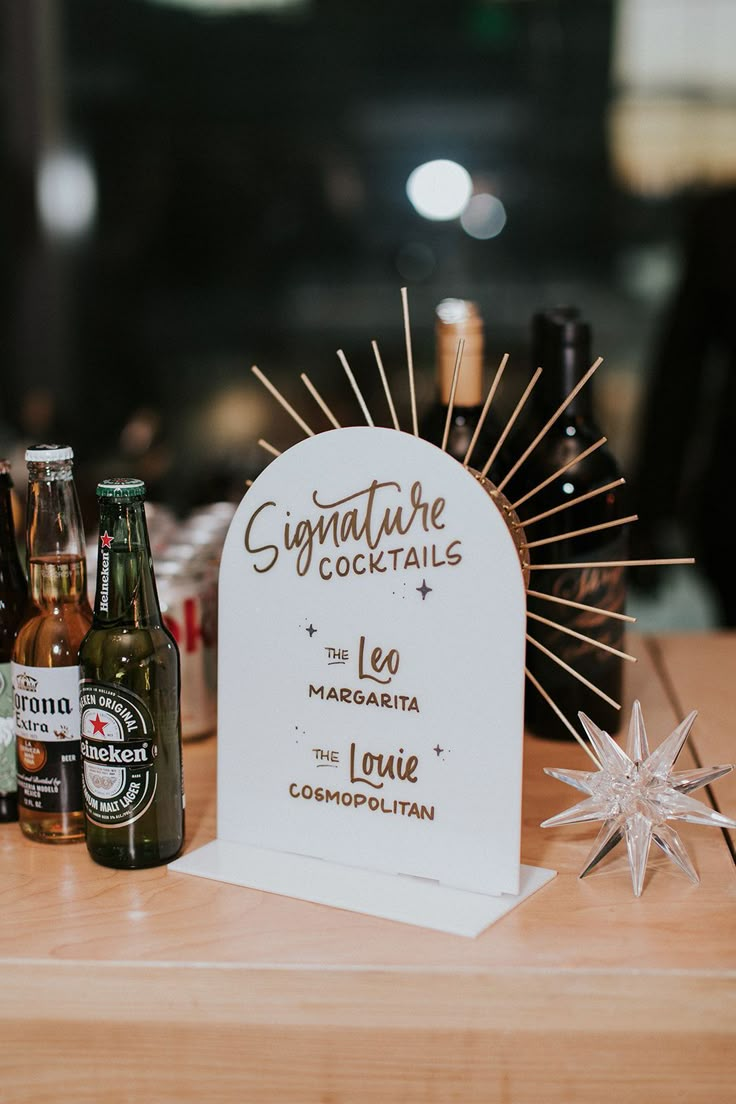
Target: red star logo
(98, 726)
(106, 539)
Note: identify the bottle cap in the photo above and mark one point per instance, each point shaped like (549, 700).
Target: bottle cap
(5, 466)
(121, 489)
(48, 454)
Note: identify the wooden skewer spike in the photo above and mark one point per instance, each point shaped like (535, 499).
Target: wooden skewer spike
(612, 563)
(571, 671)
(453, 389)
(582, 532)
(268, 447)
(280, 399)
(563, 406)
(560, 471)
(573, 502)
(356, 389)
(319, 400)
(410, 362)
(581, 636)
(509, 425)
(581, 606)
(563, 718)
(486, 408)
(386, 387)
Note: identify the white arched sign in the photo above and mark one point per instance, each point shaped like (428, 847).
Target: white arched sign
(371, 678)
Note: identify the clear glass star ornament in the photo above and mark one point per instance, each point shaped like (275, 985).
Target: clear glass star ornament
(635, 792)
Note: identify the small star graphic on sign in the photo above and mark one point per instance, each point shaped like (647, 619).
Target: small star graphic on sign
(106, 539)
(311, 630)
(424, 590)
(438, 749)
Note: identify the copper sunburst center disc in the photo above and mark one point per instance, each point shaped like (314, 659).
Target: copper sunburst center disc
(510, 516)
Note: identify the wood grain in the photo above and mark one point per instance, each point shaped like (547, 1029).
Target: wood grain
(161, 987)
(699, 672)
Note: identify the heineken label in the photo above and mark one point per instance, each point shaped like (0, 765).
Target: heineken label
(46, 723)
(118, 754)
(7, 732)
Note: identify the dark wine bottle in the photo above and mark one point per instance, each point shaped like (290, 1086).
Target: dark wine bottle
(456, 319)
(13, 597)
(561, 344)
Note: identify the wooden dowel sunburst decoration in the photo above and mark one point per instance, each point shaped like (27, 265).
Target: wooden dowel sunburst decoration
(280, 399)
(523, 523)
(581, 606)
(510, 423)
(526, 522)
(453, 389)
(548, 425)
(319, 400)
(268, 447)
(386, 388)
(410, 362)
(567, 723)
(486, 407)
(582, 532)
(560, 471)
(575, 674)
(581, 636)
(356, 390)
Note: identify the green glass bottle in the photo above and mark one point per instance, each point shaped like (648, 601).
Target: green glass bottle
(129, 697)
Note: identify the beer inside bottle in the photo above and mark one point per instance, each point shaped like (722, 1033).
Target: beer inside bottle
(13, 596)
(129, 697)
(45, 667)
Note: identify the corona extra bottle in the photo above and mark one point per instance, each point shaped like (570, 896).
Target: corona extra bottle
(45, 666)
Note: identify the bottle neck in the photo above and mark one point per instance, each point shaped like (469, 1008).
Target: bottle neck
(54, 535)
(126, 589)
(564, 374)
(561, 344)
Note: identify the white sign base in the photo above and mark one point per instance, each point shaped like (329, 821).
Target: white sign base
(389, 896)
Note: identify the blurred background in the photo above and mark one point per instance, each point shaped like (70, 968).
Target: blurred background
(188, 187)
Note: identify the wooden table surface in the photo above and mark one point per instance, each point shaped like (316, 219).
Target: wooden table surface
(152, 986)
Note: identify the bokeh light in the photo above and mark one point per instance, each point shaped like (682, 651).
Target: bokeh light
(66, 192)
(484, 217)
(439, 190)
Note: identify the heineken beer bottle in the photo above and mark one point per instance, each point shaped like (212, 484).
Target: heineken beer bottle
(129, 697)
(45, 667)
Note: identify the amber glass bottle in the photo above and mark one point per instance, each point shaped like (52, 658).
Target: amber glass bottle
(45, 665)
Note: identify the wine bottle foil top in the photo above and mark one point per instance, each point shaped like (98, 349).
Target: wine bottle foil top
(121, 489)
(458, 319)
(557, 330)
(5, 466)
(48, 454)
(453, 312)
